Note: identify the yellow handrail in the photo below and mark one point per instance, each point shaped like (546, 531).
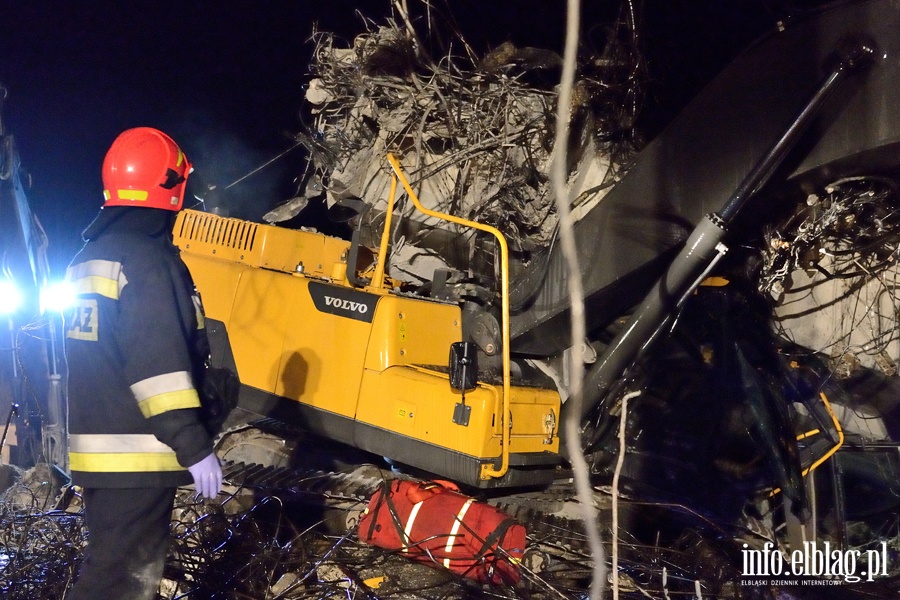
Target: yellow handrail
(487, 470)
(378, 277)
(827, 455)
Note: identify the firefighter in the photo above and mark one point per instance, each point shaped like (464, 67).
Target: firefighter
(135, 346)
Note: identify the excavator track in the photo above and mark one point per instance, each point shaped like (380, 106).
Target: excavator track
(335, 490)
(548, 515)
(557, 557)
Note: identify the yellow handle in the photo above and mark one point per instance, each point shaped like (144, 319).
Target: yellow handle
(827, 455)
(487, 471)
(378, 277)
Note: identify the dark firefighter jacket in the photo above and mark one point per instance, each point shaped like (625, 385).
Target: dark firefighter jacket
(134, 345)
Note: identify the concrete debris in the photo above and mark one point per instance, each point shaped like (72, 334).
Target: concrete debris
(36, 488)
(416, 265)
(475, 134)
(287, 210)
(330, 573)
(285, 584)
(10, 475)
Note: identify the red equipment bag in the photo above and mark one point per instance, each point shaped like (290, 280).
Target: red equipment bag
(432, 523)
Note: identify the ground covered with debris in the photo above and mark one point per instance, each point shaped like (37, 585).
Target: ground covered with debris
(251, 545)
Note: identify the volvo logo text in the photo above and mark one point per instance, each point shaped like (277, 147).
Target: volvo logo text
(346, 305)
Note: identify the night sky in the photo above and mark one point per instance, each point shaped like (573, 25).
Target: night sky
(225, 79)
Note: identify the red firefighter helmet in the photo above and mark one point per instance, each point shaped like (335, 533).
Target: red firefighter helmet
(145, 167)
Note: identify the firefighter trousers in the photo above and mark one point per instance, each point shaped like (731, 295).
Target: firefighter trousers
(128, 537)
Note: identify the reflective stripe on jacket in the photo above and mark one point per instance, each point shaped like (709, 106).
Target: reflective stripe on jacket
(120, 453)
(134, 347)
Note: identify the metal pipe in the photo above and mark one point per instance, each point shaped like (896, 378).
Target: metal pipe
(853, 54)
(13, 411)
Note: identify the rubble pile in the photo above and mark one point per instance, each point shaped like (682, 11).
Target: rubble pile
(831, 266)
(40, 546)
(475, 133)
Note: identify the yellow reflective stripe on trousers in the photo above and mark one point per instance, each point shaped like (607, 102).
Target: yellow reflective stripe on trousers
(125, 462)
(162, 393)
(455, 529)
(104, 277)
(120, 453)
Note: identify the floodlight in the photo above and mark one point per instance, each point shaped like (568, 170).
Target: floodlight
(10, 297)
(57, 297)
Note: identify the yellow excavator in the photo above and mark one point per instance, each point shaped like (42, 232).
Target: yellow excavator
(350, 358)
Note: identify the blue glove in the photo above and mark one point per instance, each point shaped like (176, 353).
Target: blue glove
(207, 476)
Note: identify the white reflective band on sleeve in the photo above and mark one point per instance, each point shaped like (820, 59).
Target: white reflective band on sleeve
(409, 526)
(162, 384)
(104, 277)
(96, 443)
(455, 529)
